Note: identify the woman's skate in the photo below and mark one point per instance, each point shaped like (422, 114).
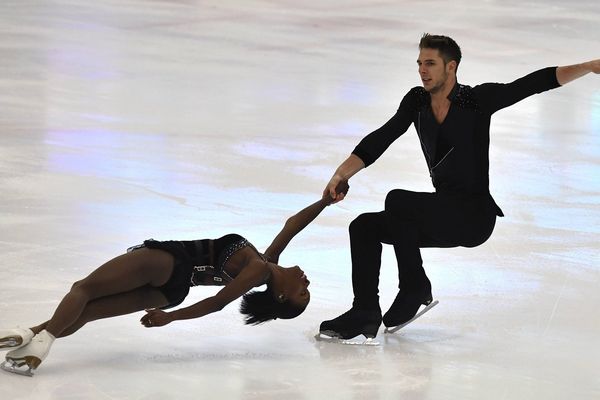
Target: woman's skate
(11, 339)
(25, 360)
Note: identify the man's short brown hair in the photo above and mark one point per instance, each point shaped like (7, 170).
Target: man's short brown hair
(447, 47)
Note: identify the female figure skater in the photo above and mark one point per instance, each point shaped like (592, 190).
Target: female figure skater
(157, 275)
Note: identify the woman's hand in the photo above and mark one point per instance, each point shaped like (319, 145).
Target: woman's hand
(340, 189)
(156, 317)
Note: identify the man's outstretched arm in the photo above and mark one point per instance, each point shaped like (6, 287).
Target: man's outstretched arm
(569, 73)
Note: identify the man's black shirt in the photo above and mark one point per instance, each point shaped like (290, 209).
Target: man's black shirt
(457, 150)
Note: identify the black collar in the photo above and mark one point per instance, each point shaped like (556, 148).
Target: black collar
(454, 92)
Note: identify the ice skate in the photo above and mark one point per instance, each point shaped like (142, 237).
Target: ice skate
(11, 339)
(405, 309)
(25, 360)
(349, 325)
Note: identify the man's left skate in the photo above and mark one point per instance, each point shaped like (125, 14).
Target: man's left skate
(393, 329)
(24, 360)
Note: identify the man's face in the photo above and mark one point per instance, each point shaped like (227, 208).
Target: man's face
(432, 70)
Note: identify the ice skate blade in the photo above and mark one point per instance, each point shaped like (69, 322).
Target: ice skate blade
(420, 313)
(13, 368)
(10, 342)
(348, 342)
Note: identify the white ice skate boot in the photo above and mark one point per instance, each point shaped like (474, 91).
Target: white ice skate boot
(25, 360)
(11, 339)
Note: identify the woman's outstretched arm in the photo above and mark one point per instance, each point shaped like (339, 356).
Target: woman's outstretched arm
(250, 277)
(299, 221)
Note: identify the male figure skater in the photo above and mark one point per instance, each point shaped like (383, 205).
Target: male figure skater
(452, 122)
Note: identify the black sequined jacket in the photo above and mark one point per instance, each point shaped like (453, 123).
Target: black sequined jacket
(456, 150)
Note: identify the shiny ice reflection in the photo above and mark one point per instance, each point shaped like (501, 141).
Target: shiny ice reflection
(122, 121)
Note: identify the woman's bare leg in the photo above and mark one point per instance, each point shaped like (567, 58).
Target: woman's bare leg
(112, 306)
(125, 273)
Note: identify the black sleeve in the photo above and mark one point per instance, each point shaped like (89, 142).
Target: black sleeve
(496, 96)
(375, 143)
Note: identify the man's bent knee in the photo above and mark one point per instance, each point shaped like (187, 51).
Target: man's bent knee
(362, 222)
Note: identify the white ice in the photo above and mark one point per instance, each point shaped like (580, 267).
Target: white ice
(122, 120)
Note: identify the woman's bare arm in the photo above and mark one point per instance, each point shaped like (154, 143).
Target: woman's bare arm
(250, 277)
(299, 221)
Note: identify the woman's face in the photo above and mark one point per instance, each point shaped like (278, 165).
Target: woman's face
(293, 287)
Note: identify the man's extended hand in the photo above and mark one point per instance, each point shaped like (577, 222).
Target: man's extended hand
(569, 73)
(343, 173)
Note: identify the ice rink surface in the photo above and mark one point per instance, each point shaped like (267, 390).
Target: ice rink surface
(127, 119)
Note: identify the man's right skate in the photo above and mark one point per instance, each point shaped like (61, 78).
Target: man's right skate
(349, 325)
(405, 309)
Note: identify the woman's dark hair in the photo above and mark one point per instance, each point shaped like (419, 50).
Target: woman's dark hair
(447, 47)
(259, 307)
